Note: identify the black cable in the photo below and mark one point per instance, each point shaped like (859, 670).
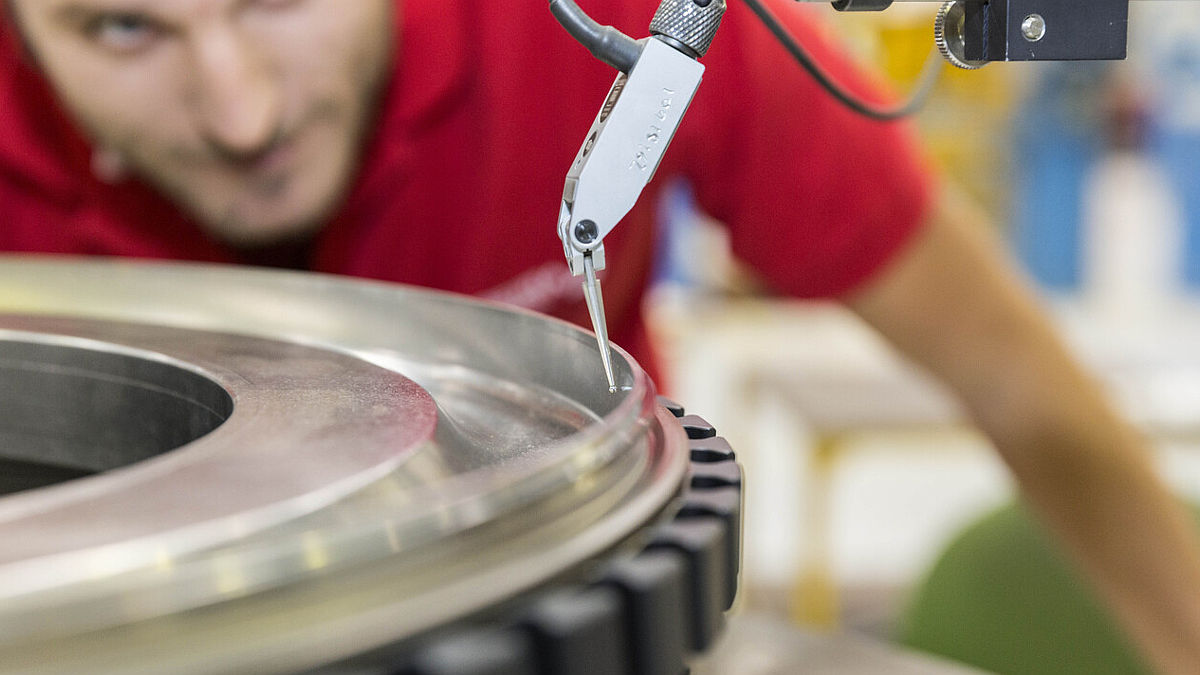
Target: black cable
(920, 94)
(621, 52)
(604, 42)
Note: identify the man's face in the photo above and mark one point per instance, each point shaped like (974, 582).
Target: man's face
(248, 113)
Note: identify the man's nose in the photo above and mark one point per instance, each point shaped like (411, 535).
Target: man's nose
(238, 98)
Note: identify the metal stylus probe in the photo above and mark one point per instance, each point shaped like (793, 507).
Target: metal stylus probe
(659, 76)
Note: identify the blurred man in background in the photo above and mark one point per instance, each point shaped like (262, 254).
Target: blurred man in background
(426, 142)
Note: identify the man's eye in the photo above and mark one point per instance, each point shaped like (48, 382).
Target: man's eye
(122, 32)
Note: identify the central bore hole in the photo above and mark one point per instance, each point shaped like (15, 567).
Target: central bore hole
(68, 412)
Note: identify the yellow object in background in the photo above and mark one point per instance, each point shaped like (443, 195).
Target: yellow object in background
(814, 601)
(966, 124)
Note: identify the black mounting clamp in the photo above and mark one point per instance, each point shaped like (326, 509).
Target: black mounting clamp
(861, 5)
(970, 33)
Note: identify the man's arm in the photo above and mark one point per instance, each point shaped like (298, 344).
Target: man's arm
(951, 303)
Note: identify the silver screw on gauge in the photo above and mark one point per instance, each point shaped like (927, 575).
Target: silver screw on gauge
(1033, 27)
(948, 30)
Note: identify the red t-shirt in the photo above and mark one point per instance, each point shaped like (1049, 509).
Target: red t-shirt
(462, 179)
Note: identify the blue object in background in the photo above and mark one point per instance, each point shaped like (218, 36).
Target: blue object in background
(676, 221)
(1056, 139)
(1180, 157)
(1176, 142)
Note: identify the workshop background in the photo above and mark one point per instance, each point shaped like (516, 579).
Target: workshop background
(861, 472)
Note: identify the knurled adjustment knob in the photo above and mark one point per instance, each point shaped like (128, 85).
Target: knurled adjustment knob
(948, 34)
(691, 24)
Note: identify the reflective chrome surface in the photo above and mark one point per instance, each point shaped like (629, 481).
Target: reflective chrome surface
(393, 459)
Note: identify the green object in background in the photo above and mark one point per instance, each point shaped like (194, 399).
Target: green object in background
(1001, 598)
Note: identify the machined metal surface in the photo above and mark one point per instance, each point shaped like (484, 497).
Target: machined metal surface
(358, 463)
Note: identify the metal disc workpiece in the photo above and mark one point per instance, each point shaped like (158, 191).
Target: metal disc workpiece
(217, 469)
